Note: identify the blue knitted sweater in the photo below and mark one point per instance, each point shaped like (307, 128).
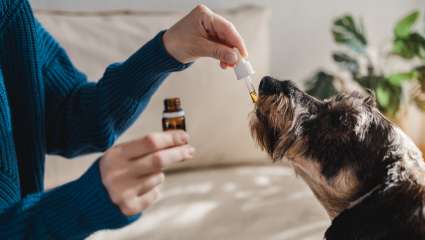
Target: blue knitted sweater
(48, 107)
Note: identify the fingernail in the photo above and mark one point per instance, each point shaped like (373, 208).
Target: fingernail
(231, 58)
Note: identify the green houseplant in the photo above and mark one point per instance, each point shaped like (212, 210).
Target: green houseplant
(363, 66)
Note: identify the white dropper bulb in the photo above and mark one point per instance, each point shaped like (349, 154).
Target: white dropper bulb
(244, 71)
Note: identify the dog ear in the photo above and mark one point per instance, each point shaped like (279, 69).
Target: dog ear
(341, 119)
(370, 99)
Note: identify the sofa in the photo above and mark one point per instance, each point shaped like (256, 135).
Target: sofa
(230, 190)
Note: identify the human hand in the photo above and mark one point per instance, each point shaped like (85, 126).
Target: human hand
(132, 172)
(203, 33)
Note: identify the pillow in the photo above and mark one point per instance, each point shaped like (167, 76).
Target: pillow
(216, 104)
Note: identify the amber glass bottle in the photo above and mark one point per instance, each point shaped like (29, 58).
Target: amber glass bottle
(173, 116)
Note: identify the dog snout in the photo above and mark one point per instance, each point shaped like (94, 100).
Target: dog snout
(270, 86)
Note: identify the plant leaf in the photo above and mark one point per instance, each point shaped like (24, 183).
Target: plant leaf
(421, 76)
(398, 78)
(382, 96)
(321, 85)
(369, 81)
(346, 32)
(388, 97)
(404, 27)
(346, 62)
(411, 46)
(419, 44)
(402, 49)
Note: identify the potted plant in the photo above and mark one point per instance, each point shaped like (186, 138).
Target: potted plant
(394, 73)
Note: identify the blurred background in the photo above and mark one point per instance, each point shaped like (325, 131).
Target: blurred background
(231, 190)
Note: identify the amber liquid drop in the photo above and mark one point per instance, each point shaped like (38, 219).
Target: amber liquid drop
(254, 96)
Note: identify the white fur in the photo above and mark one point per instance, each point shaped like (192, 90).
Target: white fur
(412, 166)
(362, 119)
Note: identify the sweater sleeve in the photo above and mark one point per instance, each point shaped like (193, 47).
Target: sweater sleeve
(71, 211)
(84, 117)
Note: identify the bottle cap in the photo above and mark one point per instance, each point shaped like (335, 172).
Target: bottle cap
(172, 104)
(243, 69)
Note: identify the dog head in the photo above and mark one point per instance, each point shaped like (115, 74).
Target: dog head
(340, 146)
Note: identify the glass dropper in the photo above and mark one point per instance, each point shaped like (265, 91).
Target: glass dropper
(243, 71)
(251, 89)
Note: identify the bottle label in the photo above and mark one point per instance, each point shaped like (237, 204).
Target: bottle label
(173, 114)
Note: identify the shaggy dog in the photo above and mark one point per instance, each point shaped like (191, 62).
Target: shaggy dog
(367, 174)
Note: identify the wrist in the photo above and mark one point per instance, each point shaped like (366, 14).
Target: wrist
(173, 48)
(93, 200)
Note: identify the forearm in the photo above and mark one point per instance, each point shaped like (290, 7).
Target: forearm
(72, 211)
(126, 88)
(141, 74)
(87, 117)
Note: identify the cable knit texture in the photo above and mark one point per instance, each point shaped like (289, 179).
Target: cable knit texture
(48, 107)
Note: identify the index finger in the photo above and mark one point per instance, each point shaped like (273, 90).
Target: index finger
(153, 142)
(227, 33)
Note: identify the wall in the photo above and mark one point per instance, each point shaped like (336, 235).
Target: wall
(300, 37)
(300, 29)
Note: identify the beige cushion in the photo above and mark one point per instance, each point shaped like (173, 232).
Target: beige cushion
(216, 104)
(239, 203)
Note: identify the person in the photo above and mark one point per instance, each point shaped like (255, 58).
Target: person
(48, 107)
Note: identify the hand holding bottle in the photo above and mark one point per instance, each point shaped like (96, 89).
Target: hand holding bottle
(132, 172)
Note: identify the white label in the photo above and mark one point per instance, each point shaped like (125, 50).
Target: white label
(173, 114)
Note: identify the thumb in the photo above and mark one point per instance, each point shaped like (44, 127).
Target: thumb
(220, 52)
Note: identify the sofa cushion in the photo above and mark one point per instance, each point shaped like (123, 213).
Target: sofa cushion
(238, 203)
(216, 104)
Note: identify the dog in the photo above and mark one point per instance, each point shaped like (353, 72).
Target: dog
(367, 174)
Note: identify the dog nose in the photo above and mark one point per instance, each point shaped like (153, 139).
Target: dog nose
(269, 85)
